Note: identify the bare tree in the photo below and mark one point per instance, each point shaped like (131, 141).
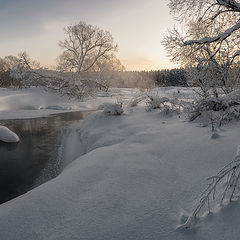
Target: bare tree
(84, 47)
(30, 73)
(88, 55)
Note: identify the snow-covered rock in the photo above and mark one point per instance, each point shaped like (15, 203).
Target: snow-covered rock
(6, 135)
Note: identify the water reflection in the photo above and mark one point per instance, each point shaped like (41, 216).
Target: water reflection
(22, 165)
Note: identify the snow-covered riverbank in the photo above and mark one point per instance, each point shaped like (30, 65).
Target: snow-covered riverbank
(35, 102)
(8, 136)
(138, 172)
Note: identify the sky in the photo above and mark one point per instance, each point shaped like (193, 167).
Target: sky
(138, 27)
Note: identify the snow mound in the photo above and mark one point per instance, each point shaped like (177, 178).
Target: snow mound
(34, 102)
(16, 101)
(6, 135)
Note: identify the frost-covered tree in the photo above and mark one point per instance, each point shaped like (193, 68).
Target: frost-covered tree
(88, 56)
(28, 71)
(31, 73)
(6, 65)
(209, 11)
(209, 48)
(84, 47)
(212, 32)
(84, 67)
(209, 64)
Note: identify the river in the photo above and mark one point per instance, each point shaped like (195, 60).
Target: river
(38, 157)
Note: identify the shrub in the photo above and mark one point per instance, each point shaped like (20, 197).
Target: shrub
(113, 109)
(224, 108)
(164, 104)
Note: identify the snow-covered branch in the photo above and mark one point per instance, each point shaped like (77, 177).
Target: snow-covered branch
(228, 177)
(219, 38)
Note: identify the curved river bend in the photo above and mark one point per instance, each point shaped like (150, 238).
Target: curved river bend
(38, 157)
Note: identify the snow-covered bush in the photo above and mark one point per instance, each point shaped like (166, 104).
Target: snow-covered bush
(223, 187)
(138, 99)
(164, 104)
(113, 109)
(76, 85)
(222, 109)
(209, 51)
(6, 65)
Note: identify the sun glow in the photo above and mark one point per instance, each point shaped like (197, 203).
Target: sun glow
(137, 30)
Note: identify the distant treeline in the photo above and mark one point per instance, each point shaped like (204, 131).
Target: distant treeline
(124, 79)
(148, 79)
(169, 77)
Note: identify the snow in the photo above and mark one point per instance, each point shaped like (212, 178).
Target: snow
(35, 102)
(6, 135)
(132, 178)
(221, 37)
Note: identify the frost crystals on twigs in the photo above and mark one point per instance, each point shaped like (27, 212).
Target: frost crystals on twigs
(227, 181)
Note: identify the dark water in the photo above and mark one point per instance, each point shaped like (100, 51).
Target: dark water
(37, 157)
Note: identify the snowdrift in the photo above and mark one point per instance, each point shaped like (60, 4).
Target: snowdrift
(8, 136)
(134, 179)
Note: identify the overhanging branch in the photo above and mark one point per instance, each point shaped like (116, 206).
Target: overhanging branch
(219, 38)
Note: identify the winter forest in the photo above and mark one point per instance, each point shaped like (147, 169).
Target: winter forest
(120, 120)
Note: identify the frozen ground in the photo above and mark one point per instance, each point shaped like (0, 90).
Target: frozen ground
(138, 172)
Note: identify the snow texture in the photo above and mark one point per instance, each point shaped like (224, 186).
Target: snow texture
(131, 183)
(131, 178)
(35, 102)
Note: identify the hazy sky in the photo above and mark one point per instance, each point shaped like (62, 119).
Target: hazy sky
(36, 26)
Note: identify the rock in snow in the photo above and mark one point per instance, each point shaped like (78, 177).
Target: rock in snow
(8, 136)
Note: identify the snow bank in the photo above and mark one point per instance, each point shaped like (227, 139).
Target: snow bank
(36, 102)
(32, 102)
(134, 179)
(8, 136)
